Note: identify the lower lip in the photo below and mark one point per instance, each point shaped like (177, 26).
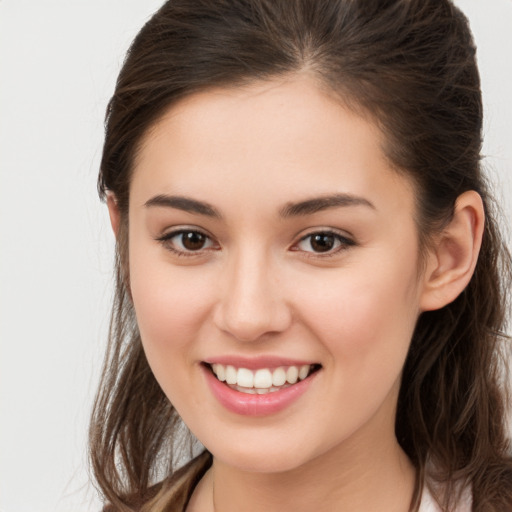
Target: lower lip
(256, 405)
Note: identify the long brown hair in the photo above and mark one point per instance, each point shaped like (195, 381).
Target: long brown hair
(408, 64)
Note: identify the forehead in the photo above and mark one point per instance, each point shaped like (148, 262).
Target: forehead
(275, 140)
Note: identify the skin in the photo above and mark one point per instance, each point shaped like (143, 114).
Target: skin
(259, 288)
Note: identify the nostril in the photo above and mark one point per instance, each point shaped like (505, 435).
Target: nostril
(251, 323)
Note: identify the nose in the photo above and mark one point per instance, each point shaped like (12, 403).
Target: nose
(251, 303)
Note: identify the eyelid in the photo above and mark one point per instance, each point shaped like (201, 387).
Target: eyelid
(345, 241)
(344, 238)
(165, 239)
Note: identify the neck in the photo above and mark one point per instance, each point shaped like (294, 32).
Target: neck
(353, 478)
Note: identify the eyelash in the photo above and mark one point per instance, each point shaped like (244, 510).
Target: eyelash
(343, 241)
(165, 240)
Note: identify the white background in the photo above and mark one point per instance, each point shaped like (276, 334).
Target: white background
(58, 64)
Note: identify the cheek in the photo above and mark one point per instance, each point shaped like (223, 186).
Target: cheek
(364, 315)
(170, 302)
(170, 305)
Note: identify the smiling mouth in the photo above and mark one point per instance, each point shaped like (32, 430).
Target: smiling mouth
(262, 380)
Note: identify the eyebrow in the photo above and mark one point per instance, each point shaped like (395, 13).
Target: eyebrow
(184, 203)
(318, 204)
(301, 208)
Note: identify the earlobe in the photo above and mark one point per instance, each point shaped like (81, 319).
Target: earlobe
(113, 211)
(452, 260)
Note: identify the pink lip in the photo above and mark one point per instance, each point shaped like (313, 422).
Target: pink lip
(256, 405)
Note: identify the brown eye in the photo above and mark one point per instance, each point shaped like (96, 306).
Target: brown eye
(322, 242)
(193, 240)
(186, 241)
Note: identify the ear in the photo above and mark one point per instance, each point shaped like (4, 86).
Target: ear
(452, 260)
(113, 211)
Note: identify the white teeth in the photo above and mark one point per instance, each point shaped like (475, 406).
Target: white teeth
(292, 374)
(249, 391)
(304, 371)
(263, 378)
(245, 378)
(220, 371)
(258, 391)
(231, 374)
(260, 381)
(278, 377)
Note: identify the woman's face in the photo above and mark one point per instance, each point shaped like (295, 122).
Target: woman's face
(269, 236)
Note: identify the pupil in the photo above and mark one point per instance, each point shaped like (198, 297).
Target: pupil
(193, 241)
(322, 242)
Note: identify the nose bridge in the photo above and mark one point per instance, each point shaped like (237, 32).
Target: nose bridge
(251, 302)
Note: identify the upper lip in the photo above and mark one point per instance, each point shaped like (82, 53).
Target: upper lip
(254, 363)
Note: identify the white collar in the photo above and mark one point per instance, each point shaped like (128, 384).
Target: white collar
(429, 504)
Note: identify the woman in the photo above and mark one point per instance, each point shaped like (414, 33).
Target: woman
(309, 273)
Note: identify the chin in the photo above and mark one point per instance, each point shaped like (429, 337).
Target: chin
(256, 463)
(258, 457)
